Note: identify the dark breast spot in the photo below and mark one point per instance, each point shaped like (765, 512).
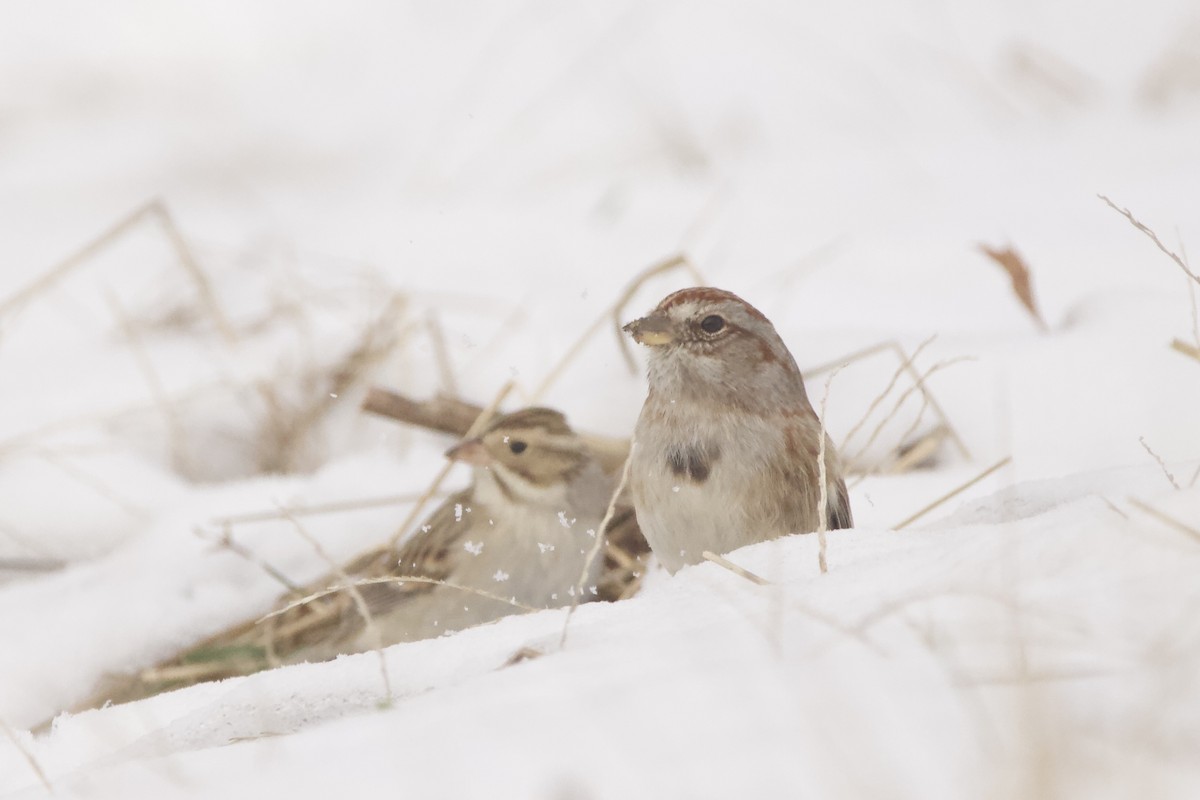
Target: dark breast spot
(693, 461)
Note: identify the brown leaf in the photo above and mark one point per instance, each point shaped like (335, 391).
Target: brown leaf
(1012, 263)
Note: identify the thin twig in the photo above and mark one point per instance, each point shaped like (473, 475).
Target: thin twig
(741, 572)
(208, 297)
(28, 756)
(226, 541)
(1127, 214)
(360, 603)
(440, 413)
(1165, 518)
(454, 416)
(953, 493)
(597, 545)
(1113, 507)
(58, 271)
(1162, 464)
(910, 455)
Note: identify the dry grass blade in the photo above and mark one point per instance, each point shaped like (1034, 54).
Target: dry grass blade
(60, 270)
(480, 421)
(156, 210)
(1164, 518)
(741, 572)
(184, 673)
(208, 297)
(917, 452)
(31, 564)
(360, 603)
(337, 507)
(1186, 349)
(1181, 262)
(1161, 464)
(905, 364)
(1127, 214)
(332, 590)
(1018, 272)
(28, 756)
(822, 483)
(597, 546)
(441, 355)
(951, 494)
(916, 387)
(176, 431)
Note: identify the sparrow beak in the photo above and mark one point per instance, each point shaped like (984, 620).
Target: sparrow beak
(470, 451)
(653, 330)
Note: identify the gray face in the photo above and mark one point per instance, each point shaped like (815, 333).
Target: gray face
(709, 342)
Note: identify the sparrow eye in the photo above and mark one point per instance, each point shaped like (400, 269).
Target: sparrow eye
(517, 447)
(712, 324)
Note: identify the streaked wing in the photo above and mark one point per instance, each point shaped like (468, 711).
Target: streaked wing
(427, 554)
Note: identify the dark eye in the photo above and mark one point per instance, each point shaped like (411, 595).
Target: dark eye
(517, 447)
(712, 323)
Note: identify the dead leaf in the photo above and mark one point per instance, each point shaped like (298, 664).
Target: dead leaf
(1012, 263)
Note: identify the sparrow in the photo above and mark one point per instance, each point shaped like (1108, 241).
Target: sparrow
(517, 538)
(727, 445)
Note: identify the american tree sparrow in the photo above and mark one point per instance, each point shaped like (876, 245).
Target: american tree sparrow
(727, 443)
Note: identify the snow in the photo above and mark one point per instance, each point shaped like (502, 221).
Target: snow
(509, 167)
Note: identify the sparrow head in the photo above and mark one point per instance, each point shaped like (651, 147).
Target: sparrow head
(706, 336)
(529, 450)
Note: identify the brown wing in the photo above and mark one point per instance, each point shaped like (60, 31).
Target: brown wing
(426, 554)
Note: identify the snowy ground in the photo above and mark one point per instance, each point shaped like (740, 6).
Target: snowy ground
(344, 171)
